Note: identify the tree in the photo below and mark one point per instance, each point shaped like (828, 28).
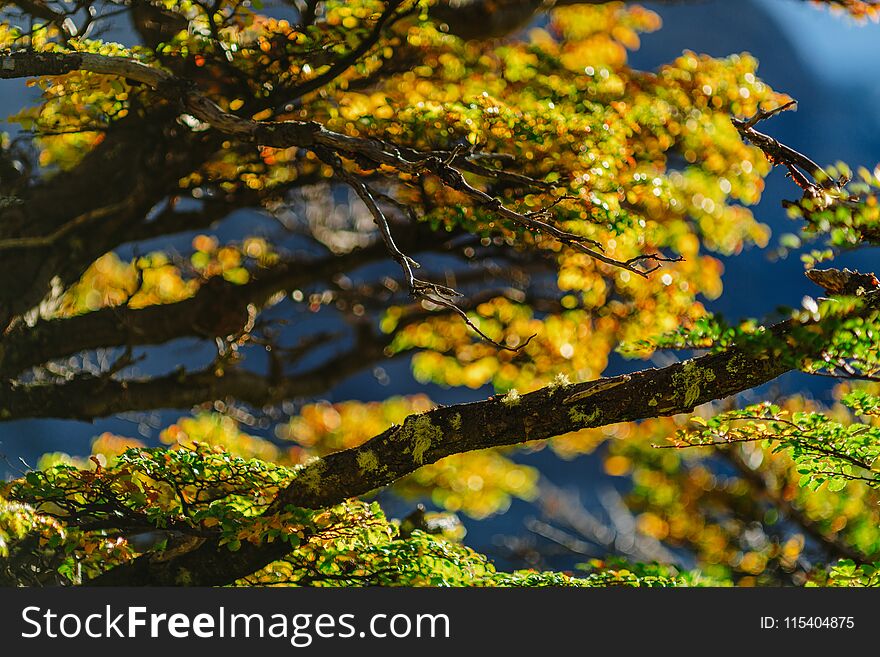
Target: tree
(563, 205)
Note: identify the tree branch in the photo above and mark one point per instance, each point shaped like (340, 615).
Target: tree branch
(26, 346)
(426, 438)
(89, 397)
(303, 134)
(546, 413)
(430, 436)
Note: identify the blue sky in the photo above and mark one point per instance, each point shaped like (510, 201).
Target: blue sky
(836, 48)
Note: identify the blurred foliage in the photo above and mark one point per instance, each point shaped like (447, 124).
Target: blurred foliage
(764, 495)
(858, 9)
(639, 162)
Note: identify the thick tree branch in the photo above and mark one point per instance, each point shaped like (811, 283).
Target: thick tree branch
(426, 438)
(51, 236)
(95, 396)
(209, 565)
(89, 397)
(545, 413)
(218, 309)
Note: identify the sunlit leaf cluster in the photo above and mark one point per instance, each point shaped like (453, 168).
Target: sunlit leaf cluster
(767, 494)
(74, 523)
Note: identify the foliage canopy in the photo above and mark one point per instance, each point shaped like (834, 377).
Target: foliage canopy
(562, 206)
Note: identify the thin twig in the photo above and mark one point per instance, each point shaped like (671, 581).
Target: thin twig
(779, 153)
(435, 293)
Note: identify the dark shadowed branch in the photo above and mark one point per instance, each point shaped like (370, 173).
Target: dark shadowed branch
(305, 134)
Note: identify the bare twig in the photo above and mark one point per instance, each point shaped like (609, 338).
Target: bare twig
(435, 293)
